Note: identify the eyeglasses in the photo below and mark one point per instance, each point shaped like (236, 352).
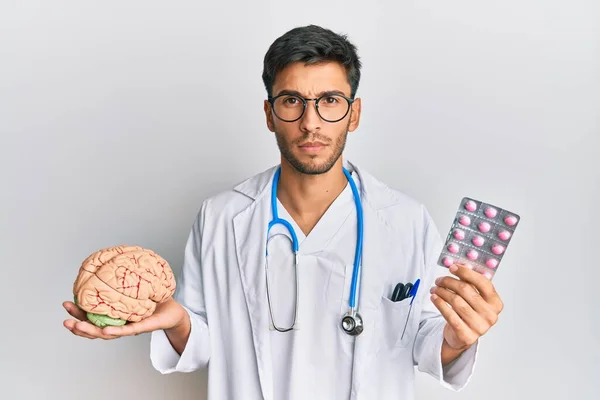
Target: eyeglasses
(330, 107)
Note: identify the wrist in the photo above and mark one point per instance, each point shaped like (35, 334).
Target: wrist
(450, 353)
(179, 333)
(183, 321)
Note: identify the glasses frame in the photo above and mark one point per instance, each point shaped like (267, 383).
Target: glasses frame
(305, 101)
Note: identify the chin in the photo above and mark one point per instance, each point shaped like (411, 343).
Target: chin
(312, 165)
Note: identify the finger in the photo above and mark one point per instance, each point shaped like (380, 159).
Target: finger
(74, 311)
(461, 329)
(470, 295)
(463, 310)
(149, 324)
(484, 286)
(466, 290)
(84, 328)
(70, 325)
(83, 335)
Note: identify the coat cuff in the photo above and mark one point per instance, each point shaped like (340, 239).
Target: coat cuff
(457, 374)
(166, 360)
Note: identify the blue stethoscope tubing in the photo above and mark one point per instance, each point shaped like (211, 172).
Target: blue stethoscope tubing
(351, 322)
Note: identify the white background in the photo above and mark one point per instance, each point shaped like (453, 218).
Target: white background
(118, 118)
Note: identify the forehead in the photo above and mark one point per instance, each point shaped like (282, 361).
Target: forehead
(312, 79)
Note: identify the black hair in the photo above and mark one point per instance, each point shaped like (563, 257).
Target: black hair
(311, 44)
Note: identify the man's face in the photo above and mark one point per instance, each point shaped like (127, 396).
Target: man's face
(312, 145)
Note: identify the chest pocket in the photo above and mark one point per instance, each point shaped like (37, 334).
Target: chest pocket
(397, 323)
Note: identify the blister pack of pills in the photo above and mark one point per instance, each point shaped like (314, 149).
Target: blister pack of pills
(479, 236)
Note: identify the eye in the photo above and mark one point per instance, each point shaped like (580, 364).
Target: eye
(291, 100)
(331, 100)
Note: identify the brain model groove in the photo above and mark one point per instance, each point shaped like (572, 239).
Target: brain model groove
(122, 284)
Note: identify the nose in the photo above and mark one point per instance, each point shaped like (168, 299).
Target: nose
(311, 121)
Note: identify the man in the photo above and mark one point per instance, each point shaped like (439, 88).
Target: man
(239, 309)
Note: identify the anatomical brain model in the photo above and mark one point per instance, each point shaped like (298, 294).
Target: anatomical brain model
(122, 284)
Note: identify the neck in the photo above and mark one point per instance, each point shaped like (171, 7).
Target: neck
(307, 197)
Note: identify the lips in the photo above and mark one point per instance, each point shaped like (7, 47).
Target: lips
(313, 144)
(312, 147)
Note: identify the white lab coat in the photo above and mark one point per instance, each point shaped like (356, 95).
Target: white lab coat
(223, 288)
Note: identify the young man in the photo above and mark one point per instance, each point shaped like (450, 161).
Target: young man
(273, 324)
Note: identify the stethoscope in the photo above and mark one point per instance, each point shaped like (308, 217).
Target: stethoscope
(351, 322)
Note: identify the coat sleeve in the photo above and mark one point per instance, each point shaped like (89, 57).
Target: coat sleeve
(428, 344)
(189, 293)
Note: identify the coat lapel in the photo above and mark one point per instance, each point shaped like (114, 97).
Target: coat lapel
(250, 232)
(377, 244)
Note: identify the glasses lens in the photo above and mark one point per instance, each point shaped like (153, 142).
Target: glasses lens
(333, 108)
(288, 108)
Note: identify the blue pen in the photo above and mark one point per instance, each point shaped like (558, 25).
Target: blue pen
(413, 293)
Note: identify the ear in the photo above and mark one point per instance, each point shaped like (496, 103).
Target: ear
(269, 116)
(355, 115)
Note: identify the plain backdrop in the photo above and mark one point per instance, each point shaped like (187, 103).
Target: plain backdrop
(118, 118)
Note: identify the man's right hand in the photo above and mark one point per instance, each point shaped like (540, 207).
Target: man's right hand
(170, 316)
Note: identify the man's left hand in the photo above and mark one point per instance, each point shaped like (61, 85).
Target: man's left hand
(470, 305)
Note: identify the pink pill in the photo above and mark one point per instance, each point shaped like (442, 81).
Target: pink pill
(470, 206)
(448, 261)
(492, 263)
(464, 220)
(459, 234)
(488, 275)
(472, 255)
(478, 241)
(484, 227)
(504, 235)
(497, 249)
(453, 248)
(490, 212)
(510, 220)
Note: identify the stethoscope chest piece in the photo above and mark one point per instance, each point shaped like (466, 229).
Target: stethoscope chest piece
(352, 323)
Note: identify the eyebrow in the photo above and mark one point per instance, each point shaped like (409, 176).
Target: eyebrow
(325, 93)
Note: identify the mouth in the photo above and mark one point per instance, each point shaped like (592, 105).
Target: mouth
(312, 146)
